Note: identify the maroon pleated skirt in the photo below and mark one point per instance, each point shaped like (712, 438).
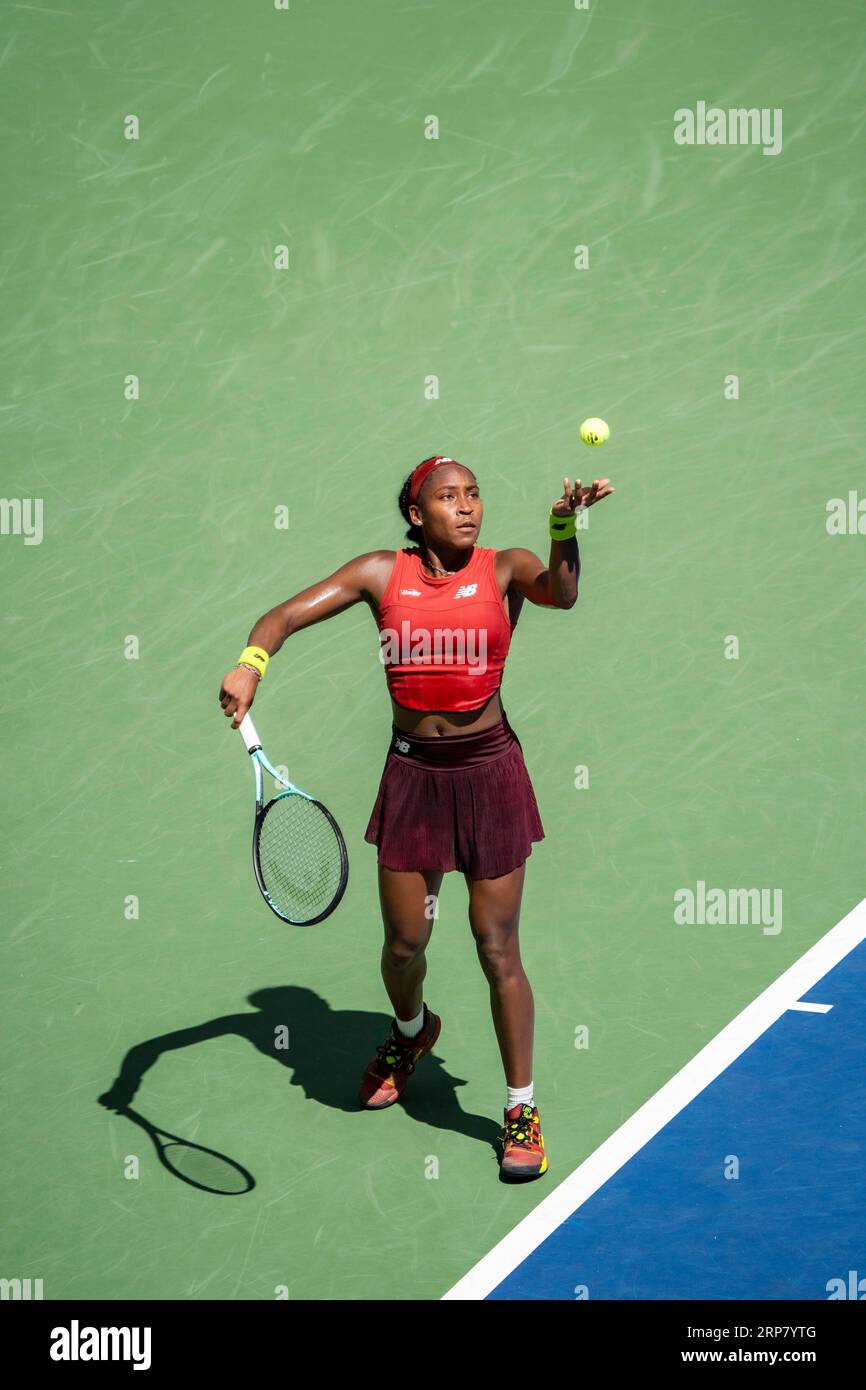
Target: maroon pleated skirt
(460, 801)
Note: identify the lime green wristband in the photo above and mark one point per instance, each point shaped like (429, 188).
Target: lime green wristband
(255, 656)
(562, 528)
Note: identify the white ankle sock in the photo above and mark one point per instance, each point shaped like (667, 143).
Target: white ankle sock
(519, 1095)
(413, 1027)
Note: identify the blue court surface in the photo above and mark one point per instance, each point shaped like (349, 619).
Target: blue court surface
(750, 1190)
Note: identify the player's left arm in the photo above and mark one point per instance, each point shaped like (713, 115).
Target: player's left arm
(554, 585)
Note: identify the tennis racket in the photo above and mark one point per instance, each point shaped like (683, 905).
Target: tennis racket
(299, 854)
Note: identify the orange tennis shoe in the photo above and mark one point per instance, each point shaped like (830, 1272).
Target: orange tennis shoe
(387, 1076)
(523, 1153)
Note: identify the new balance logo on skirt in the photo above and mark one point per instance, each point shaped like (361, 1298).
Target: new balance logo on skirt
(438, 646)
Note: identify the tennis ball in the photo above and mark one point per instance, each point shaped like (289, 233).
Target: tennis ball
(594, 431)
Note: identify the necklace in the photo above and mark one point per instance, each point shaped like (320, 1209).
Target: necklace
(427, 564)
(436, 567)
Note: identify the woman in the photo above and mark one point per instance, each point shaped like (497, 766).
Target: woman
(455, 792)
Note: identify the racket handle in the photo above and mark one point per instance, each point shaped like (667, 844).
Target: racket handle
(247, 731)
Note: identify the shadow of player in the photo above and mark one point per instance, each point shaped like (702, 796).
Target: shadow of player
(326, 1053)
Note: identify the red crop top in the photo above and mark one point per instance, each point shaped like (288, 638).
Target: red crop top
(443, 641)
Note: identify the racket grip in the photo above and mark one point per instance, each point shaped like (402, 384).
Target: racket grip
(247, 731)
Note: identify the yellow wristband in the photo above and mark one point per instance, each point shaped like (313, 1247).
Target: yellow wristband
(562, 528)
(255, 656)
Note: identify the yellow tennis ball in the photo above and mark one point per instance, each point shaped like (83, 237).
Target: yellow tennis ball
(594, 431)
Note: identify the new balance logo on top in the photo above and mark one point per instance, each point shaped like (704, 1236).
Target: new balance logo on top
(402, 745)
(466, 590)
(417, 592)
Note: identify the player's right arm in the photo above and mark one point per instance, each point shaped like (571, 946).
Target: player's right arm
(350, 584)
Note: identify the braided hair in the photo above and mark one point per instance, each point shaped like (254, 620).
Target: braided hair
(414, 534)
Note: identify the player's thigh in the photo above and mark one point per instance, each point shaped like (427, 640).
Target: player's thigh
(408, 902)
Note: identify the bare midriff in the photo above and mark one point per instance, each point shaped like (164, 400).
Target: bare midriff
(430, 723)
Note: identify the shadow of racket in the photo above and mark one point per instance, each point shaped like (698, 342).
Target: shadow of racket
(201, 1167)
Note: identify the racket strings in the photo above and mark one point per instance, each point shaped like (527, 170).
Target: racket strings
(206, 1169)
(299, 857)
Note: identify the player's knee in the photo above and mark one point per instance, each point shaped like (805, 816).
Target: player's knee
(499, 954)
(401, 950)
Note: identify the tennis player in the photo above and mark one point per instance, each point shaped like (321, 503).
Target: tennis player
(455, 793)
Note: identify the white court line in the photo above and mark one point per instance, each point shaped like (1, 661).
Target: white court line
(812, 1008)
(655, 1113)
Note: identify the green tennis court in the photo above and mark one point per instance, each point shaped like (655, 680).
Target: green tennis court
(226, 342)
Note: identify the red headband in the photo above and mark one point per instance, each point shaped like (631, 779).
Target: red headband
(422, 471)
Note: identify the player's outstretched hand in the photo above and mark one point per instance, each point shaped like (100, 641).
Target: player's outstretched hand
(237, 693)
(577, 496)
(118, 1097)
